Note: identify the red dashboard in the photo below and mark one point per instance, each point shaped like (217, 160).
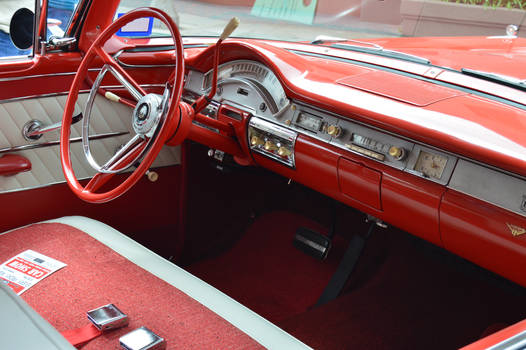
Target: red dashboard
(427, 157)
(417, 144)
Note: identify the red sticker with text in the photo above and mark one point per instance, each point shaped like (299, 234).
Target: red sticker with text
(26, 269)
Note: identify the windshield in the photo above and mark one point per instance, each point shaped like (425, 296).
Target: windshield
(307, 20)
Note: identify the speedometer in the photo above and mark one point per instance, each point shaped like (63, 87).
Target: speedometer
(256, 74)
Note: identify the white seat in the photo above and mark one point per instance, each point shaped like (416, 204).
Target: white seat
(23, 328)
(258, 328)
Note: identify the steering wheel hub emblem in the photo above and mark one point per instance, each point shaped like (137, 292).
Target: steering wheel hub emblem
(142, 112)
(147, 114)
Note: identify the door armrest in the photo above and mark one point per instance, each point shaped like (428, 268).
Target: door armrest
(11, 164)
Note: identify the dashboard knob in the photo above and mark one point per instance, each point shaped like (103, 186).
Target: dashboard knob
(256, 141)
(284, 151)
(396, 152)
(270, 146)
(334, 130)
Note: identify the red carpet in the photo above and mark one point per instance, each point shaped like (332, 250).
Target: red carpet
(404, 294)
(96, 276)
(266, 273)
(415, 297)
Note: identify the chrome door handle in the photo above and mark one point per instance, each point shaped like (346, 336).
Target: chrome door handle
(34, 129)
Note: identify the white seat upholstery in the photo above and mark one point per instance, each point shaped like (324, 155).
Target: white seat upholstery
(258, 328)
(23, 328)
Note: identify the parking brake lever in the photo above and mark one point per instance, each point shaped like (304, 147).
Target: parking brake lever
(34, 129)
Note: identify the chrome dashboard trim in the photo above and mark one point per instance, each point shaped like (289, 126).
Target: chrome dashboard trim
(274, 133)
(272, 128)
(489, 185)
(57, 142)
(454, 169)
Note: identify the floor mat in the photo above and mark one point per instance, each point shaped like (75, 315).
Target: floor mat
(265, 272)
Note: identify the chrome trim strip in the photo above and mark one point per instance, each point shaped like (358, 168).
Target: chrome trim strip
(36, 24)
(45, 75)
(14, 99)
(115, 87)
(64, 181)
(55, 143)
(516, 342)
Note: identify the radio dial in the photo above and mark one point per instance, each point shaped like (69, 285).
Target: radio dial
(334, 130)
(284, 151)
(256, 141)
(397, 153)
(270, 146)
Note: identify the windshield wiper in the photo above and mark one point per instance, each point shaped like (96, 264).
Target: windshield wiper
(373, 48)
(496, 78)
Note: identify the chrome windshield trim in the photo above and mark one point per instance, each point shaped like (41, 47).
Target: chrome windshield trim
(496, 78)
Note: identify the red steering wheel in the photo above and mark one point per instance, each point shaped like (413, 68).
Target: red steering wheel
(154, 116)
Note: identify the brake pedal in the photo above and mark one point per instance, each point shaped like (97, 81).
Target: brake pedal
(312, 243)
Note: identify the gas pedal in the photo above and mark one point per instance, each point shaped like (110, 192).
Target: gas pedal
(312, 243)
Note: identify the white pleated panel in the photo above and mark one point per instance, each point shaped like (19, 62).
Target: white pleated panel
(106, 117)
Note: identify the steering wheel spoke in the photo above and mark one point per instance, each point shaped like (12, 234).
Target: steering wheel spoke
(121, 75)
(126, 155)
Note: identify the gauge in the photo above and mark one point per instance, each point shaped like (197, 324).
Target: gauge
(309, 122)
(369, 143)
(259, 76)
(430, 164)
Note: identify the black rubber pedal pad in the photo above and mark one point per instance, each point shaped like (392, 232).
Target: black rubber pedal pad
(312, 243)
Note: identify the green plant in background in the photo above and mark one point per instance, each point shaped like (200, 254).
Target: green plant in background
(510, 4)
